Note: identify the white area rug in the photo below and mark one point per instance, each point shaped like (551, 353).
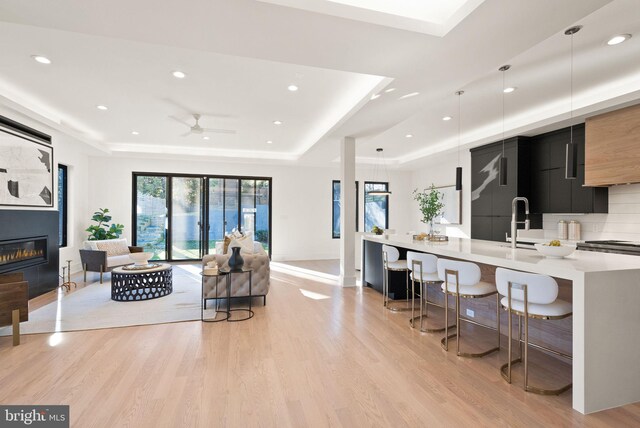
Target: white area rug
(91, 307)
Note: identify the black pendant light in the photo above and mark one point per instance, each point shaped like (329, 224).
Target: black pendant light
(459, 168)
(502, 171)
(380, 165)
(571, 156)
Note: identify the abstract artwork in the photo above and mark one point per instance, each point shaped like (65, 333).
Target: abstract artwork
(26, 171)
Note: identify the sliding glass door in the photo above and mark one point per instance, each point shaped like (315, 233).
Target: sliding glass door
(182, 217)
(186, 216)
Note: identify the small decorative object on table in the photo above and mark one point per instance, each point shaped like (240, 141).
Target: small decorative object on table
(211, 269)
(141, 259)
(236, 262)
(431, 205)
(377, 230)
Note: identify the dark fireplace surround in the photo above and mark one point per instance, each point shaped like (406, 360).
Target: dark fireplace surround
(29, 244)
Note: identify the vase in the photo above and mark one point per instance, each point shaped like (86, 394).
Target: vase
(235, 261)
(431, 231)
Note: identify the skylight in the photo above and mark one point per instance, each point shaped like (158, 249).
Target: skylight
(435, 17)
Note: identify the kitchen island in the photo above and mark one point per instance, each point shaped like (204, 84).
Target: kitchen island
(605, 290)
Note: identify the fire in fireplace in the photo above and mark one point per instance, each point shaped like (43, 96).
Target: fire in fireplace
(21, 253)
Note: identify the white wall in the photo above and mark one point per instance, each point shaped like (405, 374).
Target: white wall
(440, 170)
(301, 198)
(74, 154)
(622, 222)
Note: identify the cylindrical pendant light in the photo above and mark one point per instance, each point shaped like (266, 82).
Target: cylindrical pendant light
(502, 170)
(571, 156)
(459, 168)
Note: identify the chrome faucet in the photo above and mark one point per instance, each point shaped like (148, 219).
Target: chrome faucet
(514, 222)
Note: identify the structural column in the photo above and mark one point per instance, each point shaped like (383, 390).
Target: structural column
(347, 212)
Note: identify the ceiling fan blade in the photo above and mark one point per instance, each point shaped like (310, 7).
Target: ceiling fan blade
(186, 134)
(219, 131)
(180, 121)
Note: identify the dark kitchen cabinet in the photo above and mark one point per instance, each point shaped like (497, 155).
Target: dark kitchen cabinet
(490, 202)
(551, 192)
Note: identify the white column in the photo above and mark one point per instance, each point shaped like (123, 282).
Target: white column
(347, 211)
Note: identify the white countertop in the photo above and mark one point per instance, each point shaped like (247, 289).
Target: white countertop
(571, 267)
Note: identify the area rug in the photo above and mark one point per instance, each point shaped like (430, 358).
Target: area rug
(91, 307)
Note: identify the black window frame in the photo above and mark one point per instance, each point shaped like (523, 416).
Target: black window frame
(63, 211)
(204, 201)
(333, 210)
(364, 210)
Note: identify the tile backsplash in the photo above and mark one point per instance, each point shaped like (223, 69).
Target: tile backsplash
(622, 222)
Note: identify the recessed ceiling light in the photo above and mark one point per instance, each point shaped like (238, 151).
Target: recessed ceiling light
(409, 136)
(179, 74)
(41, 59)
(446, 118)
(101, 107)
(617, 39)
(135, 133)
(277, 122)
(269, 142)
(205, 138)
(412, 94)
(509, 89)
(375, 96)
(390, 90)
(292, 88)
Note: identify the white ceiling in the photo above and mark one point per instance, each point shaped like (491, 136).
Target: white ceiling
(240, 56)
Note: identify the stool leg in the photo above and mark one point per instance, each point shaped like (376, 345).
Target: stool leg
(510, 342)
(446, 319)
(423, 303)
(458, 324)
(498, 316)
(526, 338)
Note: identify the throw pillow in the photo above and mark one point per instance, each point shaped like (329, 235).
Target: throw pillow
(226, 242)
(116, 247)
(245, 244)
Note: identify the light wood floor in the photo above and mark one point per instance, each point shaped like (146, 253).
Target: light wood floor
(316, 355)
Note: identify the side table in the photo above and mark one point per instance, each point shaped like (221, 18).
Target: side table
(203, 305)
(249, 311)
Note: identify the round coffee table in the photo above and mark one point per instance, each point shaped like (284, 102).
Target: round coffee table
(136, 285)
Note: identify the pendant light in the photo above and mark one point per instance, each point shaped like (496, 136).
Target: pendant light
(380, 164)
(459, 168)
(571, 157)
(502, 171)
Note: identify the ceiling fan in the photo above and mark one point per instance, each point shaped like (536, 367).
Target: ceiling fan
(197, 129)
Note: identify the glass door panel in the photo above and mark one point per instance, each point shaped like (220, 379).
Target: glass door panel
(248, 205)
(231, 204)
(186, 208)
(151, 215)
(215, 213)
(263, 209)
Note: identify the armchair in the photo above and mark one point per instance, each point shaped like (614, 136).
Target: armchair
(103, 256)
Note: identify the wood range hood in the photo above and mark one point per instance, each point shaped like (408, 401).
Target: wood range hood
(612, 149)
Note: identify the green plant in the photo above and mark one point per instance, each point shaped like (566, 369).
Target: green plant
(430, 203)
(102, 230)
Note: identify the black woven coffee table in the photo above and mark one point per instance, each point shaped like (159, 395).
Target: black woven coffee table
(137, 285)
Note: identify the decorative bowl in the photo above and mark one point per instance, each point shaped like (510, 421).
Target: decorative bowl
(555, 252)
(141, 259)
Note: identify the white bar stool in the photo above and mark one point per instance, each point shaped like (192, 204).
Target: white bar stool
(462, 280)
(530, 295)
(391, 262)
(423, 269)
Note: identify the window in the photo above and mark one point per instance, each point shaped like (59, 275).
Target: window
(335, 209)
(62, 205)
(376, 207)
(182, 217)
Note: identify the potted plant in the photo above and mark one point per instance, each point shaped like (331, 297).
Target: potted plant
(431, 205)
(102, 230)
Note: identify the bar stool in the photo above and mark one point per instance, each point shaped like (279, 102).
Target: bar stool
(530, 295)
(423, 268)
(391, 262)
(462, 280)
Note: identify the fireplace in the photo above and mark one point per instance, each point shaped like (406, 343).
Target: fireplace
(23, 253)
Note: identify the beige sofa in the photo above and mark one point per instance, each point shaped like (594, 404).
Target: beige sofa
(258, 261)
(103, 256)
